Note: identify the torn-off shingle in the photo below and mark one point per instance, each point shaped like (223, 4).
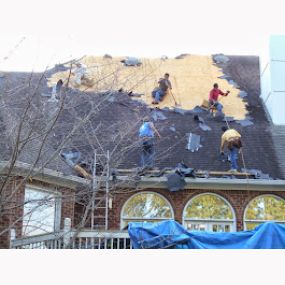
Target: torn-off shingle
(198, 110)
(233, 83)
(193, 143)
(220, 58)
(245, 122)
(204, 127)
(228, 119)
(199, 119)
(157, 115)
(242, 94)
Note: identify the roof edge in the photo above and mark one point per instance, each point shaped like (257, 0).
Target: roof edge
(43, 174)
(70, 181)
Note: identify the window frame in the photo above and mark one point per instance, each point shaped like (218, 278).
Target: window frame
(140, 218)
(209, 221)
(259, 222)
(57, 205)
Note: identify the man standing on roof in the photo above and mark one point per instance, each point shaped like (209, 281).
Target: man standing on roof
(214, 95)
(233, 140)
(80, 72)
(159, 92)
(146, 135)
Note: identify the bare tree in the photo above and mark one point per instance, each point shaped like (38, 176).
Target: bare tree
(67, 133)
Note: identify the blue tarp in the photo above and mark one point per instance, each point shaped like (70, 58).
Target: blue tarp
(170, 234)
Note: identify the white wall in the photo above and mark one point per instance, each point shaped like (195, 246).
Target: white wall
(273, 79)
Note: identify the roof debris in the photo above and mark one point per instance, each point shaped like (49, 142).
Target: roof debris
(193, 143)
(220, 58)
(158, 115)
(219, 116)
(72, 156)
(224, 77)
(233, 83)
(198, 110)
(179, 111)
(257, 173)
(228, 119)
(175, 182)
(199, 119)
(131, 61)
(107, 56)
(202, 124)
(242, 94)
(181, 56)
(204, 127)
(245, 122)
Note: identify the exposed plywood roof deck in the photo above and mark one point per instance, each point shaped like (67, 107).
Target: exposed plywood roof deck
(192, 78)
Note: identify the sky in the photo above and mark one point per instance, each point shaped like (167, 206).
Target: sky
(36, 34)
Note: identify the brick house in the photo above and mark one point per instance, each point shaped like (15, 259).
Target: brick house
(98, 219)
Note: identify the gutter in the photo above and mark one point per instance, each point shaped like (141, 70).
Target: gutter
(219, 184)
(72, 182)
(44, 175)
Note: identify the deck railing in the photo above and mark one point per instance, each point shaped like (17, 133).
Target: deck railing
(83, 240)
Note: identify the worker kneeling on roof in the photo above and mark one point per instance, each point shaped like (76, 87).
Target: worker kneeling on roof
(233, 139)
(214, 95)
(146, 134)
(159, 92)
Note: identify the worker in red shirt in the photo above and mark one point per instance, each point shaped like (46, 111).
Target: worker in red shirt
(214, 95)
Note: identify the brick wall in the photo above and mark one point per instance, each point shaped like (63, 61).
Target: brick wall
(12, 211)
(178, 200)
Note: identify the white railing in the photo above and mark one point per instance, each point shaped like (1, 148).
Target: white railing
(83, 240)
(101, 240)
(45, 241)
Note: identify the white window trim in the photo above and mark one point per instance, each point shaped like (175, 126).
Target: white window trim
(58, 202)
(233, 220)
(144, 219)
(260, 221)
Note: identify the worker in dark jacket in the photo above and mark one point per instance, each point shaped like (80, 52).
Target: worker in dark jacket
(233, 140)
(146, 134)
(164, 85)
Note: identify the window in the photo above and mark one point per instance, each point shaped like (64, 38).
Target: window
(262, 209)
(209, 212)
(146, 206)
(41, 212)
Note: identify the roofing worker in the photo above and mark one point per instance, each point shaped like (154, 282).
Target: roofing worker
(146, 135)
(159, 92)
(80, 73)
(214, 95)
(233, 140)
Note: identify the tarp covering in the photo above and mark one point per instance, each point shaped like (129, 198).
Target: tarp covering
(170, 234)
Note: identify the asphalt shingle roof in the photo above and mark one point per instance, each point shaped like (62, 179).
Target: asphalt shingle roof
(119, 118)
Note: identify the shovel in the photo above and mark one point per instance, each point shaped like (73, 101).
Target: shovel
(176, 104)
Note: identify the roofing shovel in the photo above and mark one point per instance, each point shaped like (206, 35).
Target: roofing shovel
(176, 104)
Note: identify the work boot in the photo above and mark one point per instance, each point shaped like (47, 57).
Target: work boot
(232, 170)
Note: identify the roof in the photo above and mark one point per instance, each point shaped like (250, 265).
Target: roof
(110, 120)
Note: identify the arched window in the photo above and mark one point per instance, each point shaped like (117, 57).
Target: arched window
(262, 209)
(209, 212)
(146, 206)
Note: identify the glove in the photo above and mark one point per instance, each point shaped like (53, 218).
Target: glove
(222, 153)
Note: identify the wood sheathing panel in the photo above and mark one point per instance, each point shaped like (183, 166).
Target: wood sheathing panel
(192, 78)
